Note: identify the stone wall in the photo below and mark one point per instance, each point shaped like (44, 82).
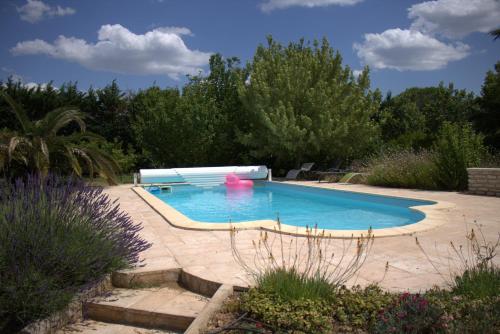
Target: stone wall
(71, 314)
(484, 181)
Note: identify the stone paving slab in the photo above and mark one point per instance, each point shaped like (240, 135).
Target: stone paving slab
(95, 327)
(208, 253)
(169, 298)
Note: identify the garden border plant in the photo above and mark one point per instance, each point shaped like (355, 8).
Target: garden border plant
(296, 280)
(58, 236)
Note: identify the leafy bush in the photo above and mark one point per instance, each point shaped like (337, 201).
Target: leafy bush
(467, 315)
(404, 169)
(290, 285)
(297, 316)
(313, 259)
(296, 279)
(125, 160)
(412, 119)
(409, 314)
(479, 282)
(359, 307)
(457, 148)
(57, 236)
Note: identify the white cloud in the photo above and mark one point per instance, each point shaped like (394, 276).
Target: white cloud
(34, 85)
(357, 73)
(270, 5)
(17, 78)
(36, 10)
(159, 51)
(455, 18)
(176, 30)
(408, 50)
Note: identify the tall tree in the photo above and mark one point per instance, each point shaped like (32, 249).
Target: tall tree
(302, 104)
(487, 118)
(109, 115)
(222, 88)
(413, 118)
(195, 127)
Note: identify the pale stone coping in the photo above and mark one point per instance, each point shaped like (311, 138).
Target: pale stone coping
(215, 303)
(434, 217)
(494, 169)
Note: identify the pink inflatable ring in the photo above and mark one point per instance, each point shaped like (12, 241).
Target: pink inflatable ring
(234, 182)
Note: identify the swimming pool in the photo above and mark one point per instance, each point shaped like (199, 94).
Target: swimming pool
(295, 205)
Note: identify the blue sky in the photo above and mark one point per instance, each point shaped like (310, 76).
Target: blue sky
(139, 42)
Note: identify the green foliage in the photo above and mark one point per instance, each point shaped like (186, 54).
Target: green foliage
(479, 282)
(294, 316)
(290, 285)
(412, 119)
(487, 119)
(175, 130)
(358, 307)
(403, 169)
(154, 124)
(126, 161)
(301, 104)
(57, 236)
(194, 128)
(108, 114)
(40, 145)
(456, 148)
(467, 315)
(410, 314)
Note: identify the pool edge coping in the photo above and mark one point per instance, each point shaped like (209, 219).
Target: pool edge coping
(434, 217)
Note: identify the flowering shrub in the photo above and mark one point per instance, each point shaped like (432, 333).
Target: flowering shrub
(56, 237)
(403, 169)
(410, 313)
(464, 314)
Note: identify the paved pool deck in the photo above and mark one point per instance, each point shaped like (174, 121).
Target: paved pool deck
(208, 254)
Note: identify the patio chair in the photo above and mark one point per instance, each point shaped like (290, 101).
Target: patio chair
(294, 173)
(334, 170)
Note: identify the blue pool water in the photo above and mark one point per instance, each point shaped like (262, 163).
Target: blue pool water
(295, 205)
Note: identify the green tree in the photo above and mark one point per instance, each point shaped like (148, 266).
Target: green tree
(36, 101)
(154, 125)
(197, 127)
(40, 147)
(413, 118)
(301, 104)
(222, 87)
(457, 148)
(109, 115)
(487, 118)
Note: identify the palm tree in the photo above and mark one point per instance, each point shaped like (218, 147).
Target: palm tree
(40, 146)
(495, 33)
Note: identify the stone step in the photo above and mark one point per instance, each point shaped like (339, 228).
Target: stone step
(95, 327)
(168, 306)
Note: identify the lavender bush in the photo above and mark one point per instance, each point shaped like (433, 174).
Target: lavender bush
(57, 236)
(403, 169)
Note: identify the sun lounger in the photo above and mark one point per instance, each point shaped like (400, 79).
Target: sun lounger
(294, 173)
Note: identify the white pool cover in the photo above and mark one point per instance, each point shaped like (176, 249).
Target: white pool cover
(201, 176)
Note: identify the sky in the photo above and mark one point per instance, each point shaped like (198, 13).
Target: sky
(144, 42)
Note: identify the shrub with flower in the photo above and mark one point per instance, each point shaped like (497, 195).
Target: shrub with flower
(57, 236)
(412, 314)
